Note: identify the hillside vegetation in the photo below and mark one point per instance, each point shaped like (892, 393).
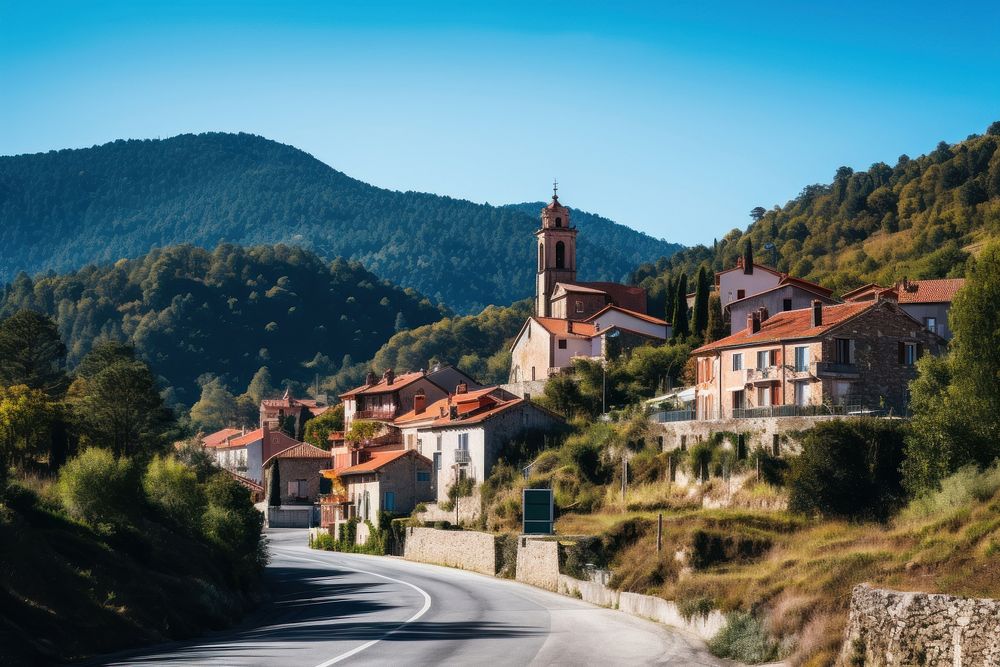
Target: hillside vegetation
(63, 209)
(189, 312)
(920, 218)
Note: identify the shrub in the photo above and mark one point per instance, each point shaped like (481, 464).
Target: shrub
(849, 469)
(98, 488)
(743, 638)
(461, 489)
(173, 488)
(324, 541)
(711, 547)
(957, 490)
(233, 524)
(696, 607)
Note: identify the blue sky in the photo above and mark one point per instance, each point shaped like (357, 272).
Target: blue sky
(673, 118)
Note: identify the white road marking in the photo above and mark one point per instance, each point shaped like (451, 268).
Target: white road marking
(367, 645)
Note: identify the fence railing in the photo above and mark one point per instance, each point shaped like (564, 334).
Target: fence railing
(462, 456)
(857, 410)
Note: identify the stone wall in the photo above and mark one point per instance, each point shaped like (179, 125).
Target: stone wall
(538, 562)
(760, 432)
(465, 549)
(892, 628)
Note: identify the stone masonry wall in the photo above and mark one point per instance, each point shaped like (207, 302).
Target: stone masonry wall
(889, 628)
(465, 549)
(538, 562)
(760, 431)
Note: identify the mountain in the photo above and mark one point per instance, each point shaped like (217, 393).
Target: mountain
(921, 218)
(189, 312)
(63, 209)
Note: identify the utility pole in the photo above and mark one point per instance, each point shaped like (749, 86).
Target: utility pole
(659, 533)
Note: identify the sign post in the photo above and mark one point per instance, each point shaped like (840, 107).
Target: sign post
(537, 512)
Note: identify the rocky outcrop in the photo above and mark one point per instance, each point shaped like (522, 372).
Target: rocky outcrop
(892, 628)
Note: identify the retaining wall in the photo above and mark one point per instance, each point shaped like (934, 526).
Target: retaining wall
(892, 628)
(465, 549)
(538, 562)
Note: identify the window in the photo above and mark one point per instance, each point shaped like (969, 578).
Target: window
(389, 502)
(541, 256)
(801, 393)
(842, 351)
(562, 343)
(786, 304)
(801, 359)
(437, 461)
(438, 448)
(558, 222)
(463, 441)
(766, 358)
(931, 324)
(423, 476)
(579, 306)
(741, 294)
(738, 361)
(532, 373)
(908, 353)
(298, 488)
(560, 255)
(739, 399)
(763, 397)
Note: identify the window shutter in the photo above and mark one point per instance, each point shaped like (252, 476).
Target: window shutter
(902, 352)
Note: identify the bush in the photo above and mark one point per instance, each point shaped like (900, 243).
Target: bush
(461, 489)
(99, 488)
(711, 548)
(743, 638)
(234, 525)
(173, 488)
(957, 490)
(324, 541)
(849, 469)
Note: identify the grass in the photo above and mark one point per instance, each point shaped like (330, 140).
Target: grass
(799, 588)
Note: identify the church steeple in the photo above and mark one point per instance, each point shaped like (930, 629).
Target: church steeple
(556, 241)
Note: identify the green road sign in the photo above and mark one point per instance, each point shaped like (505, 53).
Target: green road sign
(538, 511)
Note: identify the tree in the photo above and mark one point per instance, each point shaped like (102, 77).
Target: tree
(99, 487)
(27, 418)
(32, 353)
(670, 291)
(747, 256)
(173, 488)
(260, 386)
(680, 319)
(562, 394)
(716, 328)
(701, 302)
(757, 213)
(318, 429)
(118, 406)
(400, 322)
(216, 408)
(274, 487)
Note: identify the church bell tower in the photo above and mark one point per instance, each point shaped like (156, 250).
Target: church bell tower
(556, 242)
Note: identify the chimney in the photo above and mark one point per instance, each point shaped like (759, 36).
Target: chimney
(817, 313)
(569, 326)
(453, 412)
(370, 379)
(753, 322)
(462, 388)
(389, 376)
(419, 403)
(762, 313)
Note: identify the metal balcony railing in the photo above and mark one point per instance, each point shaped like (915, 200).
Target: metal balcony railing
(831, 368)
(462, 456)
(376, 413)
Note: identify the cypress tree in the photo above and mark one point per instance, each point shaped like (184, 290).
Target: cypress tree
(680, 319)
(747, 257)
(668, 306)
(274, 489)
(701, 302)
(716, 327)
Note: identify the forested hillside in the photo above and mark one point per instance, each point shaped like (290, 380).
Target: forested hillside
(190, 312)
(920, 218)
(63, 209)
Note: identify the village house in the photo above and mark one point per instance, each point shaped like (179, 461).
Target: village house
(244, 453)
(290, 413)
(463, 435)
(298, 468)
(927, 301)
(221, 436)
(575, 319)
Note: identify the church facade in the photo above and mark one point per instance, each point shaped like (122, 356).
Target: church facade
(575, 319)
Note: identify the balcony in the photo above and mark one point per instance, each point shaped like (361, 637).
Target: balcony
(799, 373)
(462, 457)
(830, 369)
(763, 375)
(381, 414)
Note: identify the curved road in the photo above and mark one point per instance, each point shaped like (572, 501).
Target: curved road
(330, 608)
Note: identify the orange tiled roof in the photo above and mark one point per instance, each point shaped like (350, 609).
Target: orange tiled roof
(583, 289)
(378, 460)
(929, 291)
(302, 450)
(791, 324)
(381, 387)
(560, 327)
(252, 436)
(640, 316)
(807, 284)
(435, 407)
(858, 291)
(478, 417)
(219, 437)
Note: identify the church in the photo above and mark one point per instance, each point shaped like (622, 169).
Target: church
(576, 319)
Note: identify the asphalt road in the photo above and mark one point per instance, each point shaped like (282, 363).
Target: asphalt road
(331, 608)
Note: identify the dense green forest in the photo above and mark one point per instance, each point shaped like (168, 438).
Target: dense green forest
(63, 209)
(921, 218)
(191, 312)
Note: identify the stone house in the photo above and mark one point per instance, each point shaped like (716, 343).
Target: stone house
(861, 354)
(464, 434)
(927, 301)
(296, 411)
(298, 469)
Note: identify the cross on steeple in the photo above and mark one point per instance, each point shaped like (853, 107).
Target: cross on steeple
(555, 189)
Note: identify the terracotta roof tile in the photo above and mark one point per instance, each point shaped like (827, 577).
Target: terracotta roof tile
(640, 316)
(929, 291)
(791, 324)
(252, 436)
(381, 387)
(219, 437)
(379, 460)
(560, 327)
(434, 409)
(302, 450)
